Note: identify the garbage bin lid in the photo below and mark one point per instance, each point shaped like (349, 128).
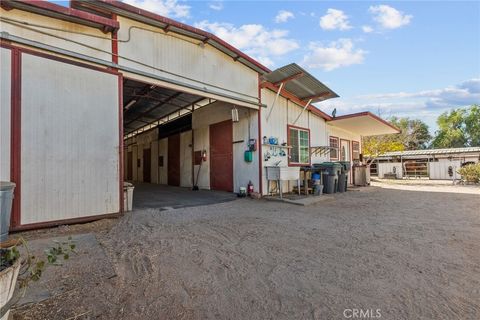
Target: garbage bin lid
(6, 185)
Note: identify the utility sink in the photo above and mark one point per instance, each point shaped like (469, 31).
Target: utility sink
(283, 173)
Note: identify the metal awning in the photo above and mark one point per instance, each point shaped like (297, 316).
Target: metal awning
(430, 152)
(363, 123)
(147, 105)
(300, 83)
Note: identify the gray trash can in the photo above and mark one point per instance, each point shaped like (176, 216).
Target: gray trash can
(6, 198)
(330, 183)
(342, 182)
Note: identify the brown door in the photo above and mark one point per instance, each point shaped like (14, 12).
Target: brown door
(221, 156)
(174, 160)
(130, 165)
(147, 158)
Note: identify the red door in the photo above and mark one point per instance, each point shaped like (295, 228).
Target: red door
(174, 160)
(221, 156)
(147, 157)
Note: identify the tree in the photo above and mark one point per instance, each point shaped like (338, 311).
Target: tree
(458, 128)
(472, 126)
(413, 133)
(374, 146)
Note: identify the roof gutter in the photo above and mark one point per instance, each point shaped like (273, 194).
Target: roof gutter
(52, 10)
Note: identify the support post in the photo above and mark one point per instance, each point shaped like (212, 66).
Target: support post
(275, 100)
(306, 106)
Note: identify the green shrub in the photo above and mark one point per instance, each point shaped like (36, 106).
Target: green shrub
(470, 172)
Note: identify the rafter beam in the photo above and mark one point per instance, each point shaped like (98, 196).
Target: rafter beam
(158, 105)
(290, 78)
(322, 95)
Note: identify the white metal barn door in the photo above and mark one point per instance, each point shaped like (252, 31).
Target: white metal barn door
(439, 170)
(70, 164)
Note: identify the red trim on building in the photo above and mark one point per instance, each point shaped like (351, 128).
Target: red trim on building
(54, 223)
(16, 135)
(259, 142)
(290, 96)
(115, 43)
(293, 164)
(7, 44)
(63, 13)
(366, 113)
(120, 142)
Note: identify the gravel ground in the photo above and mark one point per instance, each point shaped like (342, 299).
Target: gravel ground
(410, 254)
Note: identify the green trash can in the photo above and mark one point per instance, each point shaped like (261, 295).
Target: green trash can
(330, 167)
(6, 198)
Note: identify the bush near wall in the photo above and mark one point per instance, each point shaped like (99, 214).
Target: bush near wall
(471, 172)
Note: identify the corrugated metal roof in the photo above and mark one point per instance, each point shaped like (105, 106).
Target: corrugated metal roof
(300, 83)
(427, 152)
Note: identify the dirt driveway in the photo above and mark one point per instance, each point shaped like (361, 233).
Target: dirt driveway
(410, 254)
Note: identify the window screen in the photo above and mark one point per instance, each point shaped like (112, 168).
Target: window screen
(300, 143)
(334, 148)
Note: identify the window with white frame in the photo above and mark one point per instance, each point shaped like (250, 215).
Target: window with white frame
(300, 143)
(333, 148)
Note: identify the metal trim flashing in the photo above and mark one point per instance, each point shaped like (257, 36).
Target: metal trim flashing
(111, 65)
(54, 223)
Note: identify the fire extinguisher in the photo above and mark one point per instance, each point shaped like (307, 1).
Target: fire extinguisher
(250, 187)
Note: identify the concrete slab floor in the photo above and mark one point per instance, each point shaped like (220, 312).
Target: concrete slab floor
(148, 195)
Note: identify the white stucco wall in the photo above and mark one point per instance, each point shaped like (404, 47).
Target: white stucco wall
(70, 141)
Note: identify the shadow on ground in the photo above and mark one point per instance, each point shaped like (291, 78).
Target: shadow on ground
(157, 196)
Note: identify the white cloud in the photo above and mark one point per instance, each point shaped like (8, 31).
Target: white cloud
(389, 17)
(284, 16)
(254, 39)
(168, 8)
(426, 105)
(463, 94)
(216, 5)
(335, 19)
(367, 29)
(340, 53)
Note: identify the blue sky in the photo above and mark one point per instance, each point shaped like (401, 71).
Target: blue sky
(394, 58)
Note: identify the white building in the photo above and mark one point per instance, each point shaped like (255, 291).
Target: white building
(103, 91)
(436, 164)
